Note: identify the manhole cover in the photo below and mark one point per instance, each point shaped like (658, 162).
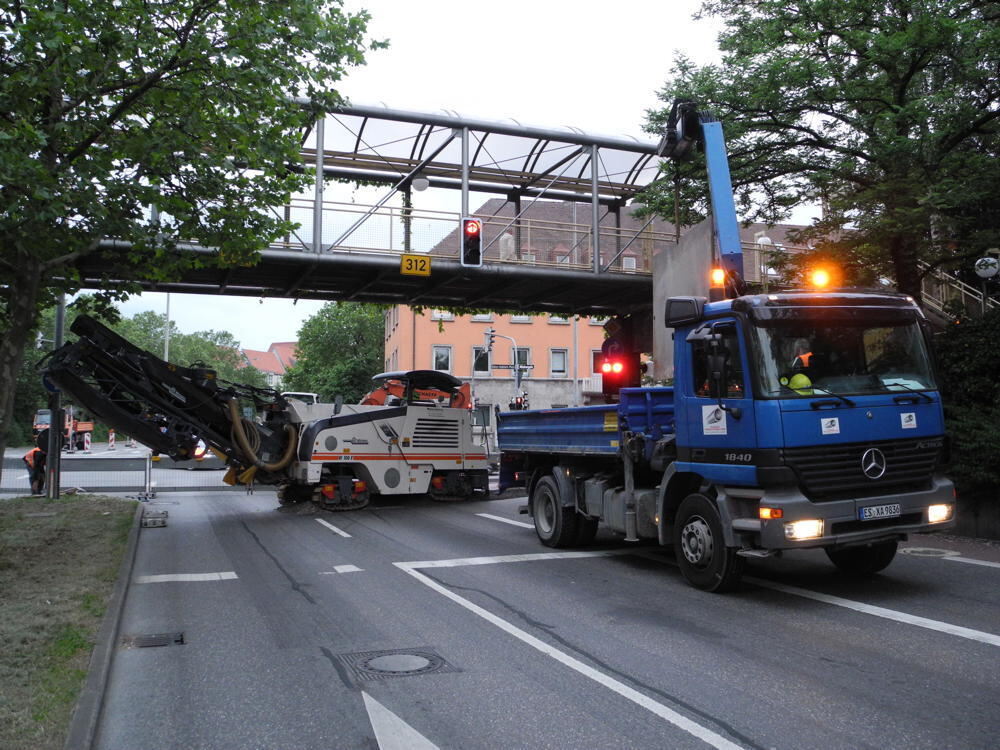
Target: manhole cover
(398, 663)
(927, 552)
(403, 662)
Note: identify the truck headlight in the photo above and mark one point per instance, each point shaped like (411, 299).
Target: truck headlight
(808, 528)
(939, 513)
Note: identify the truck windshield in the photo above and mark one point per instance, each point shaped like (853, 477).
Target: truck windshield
(808, 357)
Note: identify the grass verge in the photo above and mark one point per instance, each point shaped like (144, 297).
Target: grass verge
(58, 564)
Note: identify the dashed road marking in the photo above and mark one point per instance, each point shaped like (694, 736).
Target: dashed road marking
(664, 712)
(511, 521)
(227, 576)
(341, 569)
(333, 528)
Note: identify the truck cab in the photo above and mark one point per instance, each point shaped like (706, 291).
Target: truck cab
(816, 416)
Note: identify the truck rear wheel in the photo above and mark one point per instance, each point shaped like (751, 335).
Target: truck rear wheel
(555, 525)
(700, 547)
(861, 562)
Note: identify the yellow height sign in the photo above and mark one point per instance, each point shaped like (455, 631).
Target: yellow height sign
(415, 265)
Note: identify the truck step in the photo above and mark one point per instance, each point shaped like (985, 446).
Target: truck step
(757, 553)
(523, 509)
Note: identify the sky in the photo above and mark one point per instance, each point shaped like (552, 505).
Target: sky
(546, 63)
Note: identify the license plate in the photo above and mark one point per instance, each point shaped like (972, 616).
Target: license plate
(873, 512)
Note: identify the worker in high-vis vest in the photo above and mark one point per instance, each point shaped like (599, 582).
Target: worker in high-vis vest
(803, 354)
(35, 460)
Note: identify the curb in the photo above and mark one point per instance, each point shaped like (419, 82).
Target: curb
(87, 712)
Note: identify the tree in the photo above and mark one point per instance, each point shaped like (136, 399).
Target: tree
(340, 349)
(109, 108)
(887, 112)
(969, 364)
(218, 350)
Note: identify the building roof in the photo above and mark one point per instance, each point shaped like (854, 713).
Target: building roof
(264, 361)
(285, 351)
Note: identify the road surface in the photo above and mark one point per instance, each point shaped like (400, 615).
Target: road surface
(420, 625)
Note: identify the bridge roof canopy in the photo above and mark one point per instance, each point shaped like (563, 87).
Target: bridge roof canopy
(385, 145)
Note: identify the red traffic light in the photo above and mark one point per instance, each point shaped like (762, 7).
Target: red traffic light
(472, 236)
(612, 367)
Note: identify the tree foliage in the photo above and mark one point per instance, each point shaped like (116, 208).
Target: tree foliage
(886, 112)
(108, 108)
(969, 363)
(218, 350)
(340, 349)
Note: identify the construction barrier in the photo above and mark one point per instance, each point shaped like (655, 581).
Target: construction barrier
(86, 442)
(111, 440)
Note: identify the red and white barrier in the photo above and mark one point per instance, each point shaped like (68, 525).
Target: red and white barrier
(111, 440)
(86, 442)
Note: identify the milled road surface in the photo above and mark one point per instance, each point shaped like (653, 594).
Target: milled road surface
(419, 625)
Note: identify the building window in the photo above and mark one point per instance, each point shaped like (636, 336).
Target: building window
(598, 321)
(596, 355)
(442, 358)
(558, 319)
(481, 362)
(483, 318)
(628, 263)
(520, 318)
(441, 315)
(557, 362)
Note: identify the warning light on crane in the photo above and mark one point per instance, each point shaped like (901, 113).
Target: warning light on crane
(472, 242)
(820, 278)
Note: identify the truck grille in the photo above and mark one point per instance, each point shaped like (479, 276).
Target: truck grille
(833, 472)
(435, 433)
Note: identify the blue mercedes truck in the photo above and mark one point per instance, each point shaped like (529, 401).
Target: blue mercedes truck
(797, 419)
(756, 448)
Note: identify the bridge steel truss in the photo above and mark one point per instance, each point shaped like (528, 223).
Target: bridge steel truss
(409, 151)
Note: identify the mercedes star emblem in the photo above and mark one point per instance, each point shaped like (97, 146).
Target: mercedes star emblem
(873, 463)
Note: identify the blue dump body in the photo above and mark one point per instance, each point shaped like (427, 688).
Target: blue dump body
(588, 430)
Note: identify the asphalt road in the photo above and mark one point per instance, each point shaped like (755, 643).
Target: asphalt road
(419, 625)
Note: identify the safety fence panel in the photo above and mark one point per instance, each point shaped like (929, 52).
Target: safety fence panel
(102, 473)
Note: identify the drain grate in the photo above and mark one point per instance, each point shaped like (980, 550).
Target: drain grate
(365, 666)
(152, 640)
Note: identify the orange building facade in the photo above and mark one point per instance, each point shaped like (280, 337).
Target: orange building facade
(563, 354)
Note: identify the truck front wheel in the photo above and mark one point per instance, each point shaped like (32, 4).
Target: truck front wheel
(700, 547)
(555, 525)
(861, 562)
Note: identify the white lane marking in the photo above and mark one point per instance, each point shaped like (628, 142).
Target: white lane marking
(333, 528)
(703, 733)
(391, 732)
(227, 576)
(971, 561)
(532, 557)
(512, 522)
(889, 614)
(341, 569)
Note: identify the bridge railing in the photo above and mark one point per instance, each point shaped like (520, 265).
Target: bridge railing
(944, 294)
(391, 230)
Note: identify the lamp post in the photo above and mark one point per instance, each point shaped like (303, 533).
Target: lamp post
(986, 268)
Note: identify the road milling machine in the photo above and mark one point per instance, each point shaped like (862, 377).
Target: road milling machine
(411, 435)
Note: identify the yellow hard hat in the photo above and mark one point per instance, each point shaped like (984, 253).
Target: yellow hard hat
(800, 383)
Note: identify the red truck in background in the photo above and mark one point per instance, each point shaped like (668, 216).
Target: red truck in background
(74, 428)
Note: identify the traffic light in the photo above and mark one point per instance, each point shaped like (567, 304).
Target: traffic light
(620, 368)
(472, 242)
